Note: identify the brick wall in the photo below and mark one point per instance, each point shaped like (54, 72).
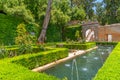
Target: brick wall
(112, 30)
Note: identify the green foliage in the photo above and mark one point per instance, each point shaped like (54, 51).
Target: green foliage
(34, 60)
(18, 8)
(24, 40)
(11, 51)
(23, 37)
(53, 34)
(101, 13)
(78, 13)
(106, 43)
(112, 7)
(71, 31)
(8, 26)
(110, 70)
(9, 71)
(77, 35)
(80, 46)
(3, 51)
(118, 12)
(59, 18)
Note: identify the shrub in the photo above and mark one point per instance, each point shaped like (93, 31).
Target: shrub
(106, 43)
(9, 71)
(111, 68)
(71, 31)
(38, 59)
(77, 45)
(24, 40)
(14, 68)
(8, 51)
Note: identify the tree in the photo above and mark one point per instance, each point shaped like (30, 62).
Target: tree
(78, 13)
(87, 6)
(41, 38)
(111, 7)
(60, 15)
(100, 13)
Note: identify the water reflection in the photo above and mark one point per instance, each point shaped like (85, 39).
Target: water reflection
(84, 69)
(84, 57)
(96, 58)
(67, 65)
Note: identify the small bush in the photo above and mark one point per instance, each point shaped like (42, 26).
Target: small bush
(24, 40)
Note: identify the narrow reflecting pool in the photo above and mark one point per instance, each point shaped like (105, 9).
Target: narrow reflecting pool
(83, 67)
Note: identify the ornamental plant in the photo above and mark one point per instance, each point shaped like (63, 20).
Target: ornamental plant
(24, 40)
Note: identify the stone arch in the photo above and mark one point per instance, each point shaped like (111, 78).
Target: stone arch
(90, 31)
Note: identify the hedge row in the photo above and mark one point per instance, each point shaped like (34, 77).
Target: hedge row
(10, 71)
(16, 68)
(8, 51)
(106, 43)
(111, 68)
(78, 46)
(38, 59)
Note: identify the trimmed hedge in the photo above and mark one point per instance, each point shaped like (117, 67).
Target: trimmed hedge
(11, 51)
(9, 71)
(106, 43)
(78, 46)
(111, 68)
(38, 59)
(16, 68)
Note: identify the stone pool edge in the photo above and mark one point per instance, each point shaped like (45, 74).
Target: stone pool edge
(70, 56)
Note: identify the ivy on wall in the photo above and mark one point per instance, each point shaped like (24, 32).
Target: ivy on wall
(8, 26)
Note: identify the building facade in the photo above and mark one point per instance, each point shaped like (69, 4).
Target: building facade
(92, 31)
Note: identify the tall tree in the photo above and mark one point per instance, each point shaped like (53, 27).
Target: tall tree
(100, 12)
(111, 7)
(87, 6)
(41, 38)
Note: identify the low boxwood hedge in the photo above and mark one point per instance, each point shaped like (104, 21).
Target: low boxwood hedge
(38, 59)
(16, 68)
(10, 71)
(111, 68)
(81, 46)
(106, 43)
(8, 51)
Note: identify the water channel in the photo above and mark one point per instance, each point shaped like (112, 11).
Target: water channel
(83, 67)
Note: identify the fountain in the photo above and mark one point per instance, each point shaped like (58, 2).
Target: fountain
(83, 67)
(74, 63)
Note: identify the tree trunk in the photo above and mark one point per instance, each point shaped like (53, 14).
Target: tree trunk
(41, 38)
